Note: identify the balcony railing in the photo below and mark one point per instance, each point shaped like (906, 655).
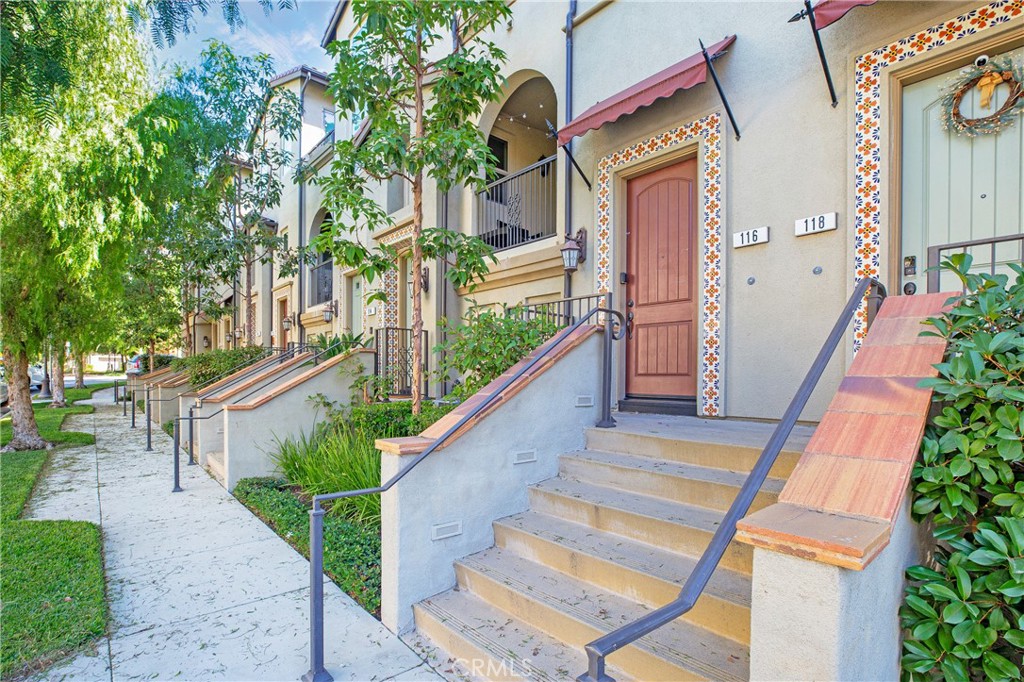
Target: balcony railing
(993, 254)
(321, 283)
(394, 359)
(519, 208)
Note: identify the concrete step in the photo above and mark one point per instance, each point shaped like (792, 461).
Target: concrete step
(630, 569)
(215, 465)
(709, 487)
(575, 612)
(726, 444)
(488, 644)
(673, 526)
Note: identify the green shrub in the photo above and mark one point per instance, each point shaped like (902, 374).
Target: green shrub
(351, 549)
(392, 420)
(486, 344)
(333, 459)
(205, 367)
(964, 614)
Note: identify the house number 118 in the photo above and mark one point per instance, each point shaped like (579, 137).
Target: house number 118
(816, 224)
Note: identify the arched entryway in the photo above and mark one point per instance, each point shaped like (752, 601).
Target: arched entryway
(518, 206)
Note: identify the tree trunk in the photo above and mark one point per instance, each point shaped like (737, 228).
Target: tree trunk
(417, 263)
(186, 325)
(80, 370)
(152, 355)
(250, 312)
(57, 377)
(23, 419)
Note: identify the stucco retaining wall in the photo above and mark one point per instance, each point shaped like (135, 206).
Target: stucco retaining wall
(461, 489)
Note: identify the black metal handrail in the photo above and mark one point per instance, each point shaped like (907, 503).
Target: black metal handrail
(935, 255)
(692, 589)
(561, 312)
(315, 359)
(317, 672)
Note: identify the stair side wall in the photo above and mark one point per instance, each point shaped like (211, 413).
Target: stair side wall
(250, 435)
(817, 621)
(474, 481)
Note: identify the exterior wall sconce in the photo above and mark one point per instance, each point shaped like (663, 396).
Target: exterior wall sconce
(238, 333)
(425, 280)
(330, 310)
(574, 251)
(206, 342)
(227, 338)
(286, 321)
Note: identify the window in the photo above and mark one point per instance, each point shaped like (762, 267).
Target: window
(397, 193)
(328, 120)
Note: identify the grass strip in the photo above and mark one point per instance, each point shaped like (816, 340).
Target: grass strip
(351, 550)
(52, 588)
(53, 592)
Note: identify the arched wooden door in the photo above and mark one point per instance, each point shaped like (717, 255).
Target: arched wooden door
(661, 286)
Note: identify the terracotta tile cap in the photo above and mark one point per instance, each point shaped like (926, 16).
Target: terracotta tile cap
(881, 395)
(298, 380)
(895, 437)
(829, 538)
(261, 374)
(897, 361)
(869, 488)
(919, 306)
(410, 445)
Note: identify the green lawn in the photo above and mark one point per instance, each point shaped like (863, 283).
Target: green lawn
(351, 550)
(52, 588)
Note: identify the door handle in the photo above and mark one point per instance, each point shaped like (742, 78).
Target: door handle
(629, 324)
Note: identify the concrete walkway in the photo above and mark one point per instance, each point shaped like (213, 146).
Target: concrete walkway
(199, 588)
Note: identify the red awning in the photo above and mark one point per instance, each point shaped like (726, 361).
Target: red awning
(690, 72)
(828, 12)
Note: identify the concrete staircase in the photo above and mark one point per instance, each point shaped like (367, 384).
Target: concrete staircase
(614, 535)
(215, 465)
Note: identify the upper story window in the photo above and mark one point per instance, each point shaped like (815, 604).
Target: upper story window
(328, 120)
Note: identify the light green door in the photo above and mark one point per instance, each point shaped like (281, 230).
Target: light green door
(958, 188)
(355, 305)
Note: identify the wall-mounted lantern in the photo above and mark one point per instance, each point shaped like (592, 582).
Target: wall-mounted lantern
(206, 342)
(286, 322)
(238, 333)
(227, 338)
(574, 251)
(330, 310)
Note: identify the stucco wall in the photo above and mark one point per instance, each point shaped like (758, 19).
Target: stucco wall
(251, 434)
(475, 481)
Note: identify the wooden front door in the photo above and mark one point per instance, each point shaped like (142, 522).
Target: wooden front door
(661, 288)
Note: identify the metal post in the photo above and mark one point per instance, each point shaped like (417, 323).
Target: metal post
(115, 391)
(606, 421)
(149, 422)
(124, 400)
(821, 53)
(191, 437)
(316, 672)
(177, 443)
(133, 409)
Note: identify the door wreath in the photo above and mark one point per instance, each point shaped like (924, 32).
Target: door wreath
(986, 76)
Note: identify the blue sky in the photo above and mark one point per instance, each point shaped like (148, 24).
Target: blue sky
(291, 37)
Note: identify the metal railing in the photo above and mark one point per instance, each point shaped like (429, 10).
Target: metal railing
(317, 672)
(393, 361)
(562, 312)
(935, 255)
(321, 283)
(519, 208)
(315, 359)
(600, 648)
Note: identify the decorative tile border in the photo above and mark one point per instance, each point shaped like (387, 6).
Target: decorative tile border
(867, 139)
(708, 131)
(389, 308)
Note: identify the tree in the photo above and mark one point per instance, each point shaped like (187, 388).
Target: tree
(252, 128)
(422, 101)
(68, 186)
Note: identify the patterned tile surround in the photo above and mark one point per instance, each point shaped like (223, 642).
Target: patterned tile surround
(707, 131)
(868, 154)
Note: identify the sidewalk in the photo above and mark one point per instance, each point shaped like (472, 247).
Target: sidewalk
(199, 588)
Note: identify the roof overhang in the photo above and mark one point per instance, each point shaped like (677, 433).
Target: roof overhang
(332, 25)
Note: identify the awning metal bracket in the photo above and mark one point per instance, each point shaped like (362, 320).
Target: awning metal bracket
(552, 132)
(808, 12)
(718, 86)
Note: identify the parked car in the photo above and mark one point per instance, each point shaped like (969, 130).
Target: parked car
(4, 394)
(139, 364)
(35, 375)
